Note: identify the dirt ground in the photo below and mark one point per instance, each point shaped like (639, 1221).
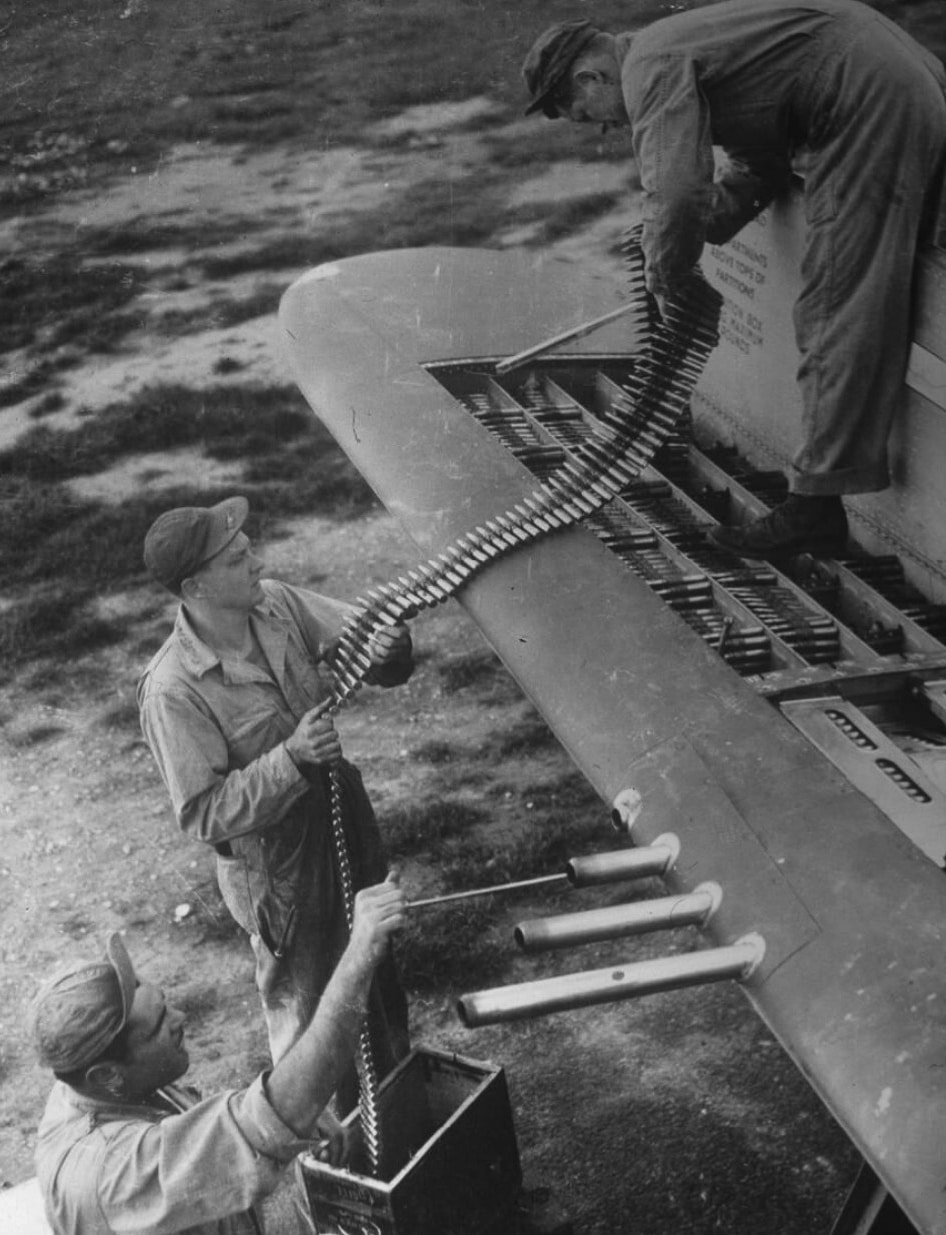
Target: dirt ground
(678, 1114)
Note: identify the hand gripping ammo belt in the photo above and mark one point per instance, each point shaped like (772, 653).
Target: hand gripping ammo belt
(666, 368)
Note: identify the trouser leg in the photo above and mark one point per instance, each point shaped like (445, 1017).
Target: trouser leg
(287, 1008)
(865, 197)
(853, 326)
(304, 1224)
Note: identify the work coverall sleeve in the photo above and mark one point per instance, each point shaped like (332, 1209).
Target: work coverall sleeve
(671, 136)
(212, 801)
(748, 181)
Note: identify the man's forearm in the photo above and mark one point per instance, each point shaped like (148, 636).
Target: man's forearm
(212, 801)
(246, 800)
(304, 1080)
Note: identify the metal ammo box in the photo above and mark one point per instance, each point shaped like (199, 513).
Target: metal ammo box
(450, 1162)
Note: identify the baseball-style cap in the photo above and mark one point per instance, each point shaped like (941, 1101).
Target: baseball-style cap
(182, 540)
(549, 59)
(83, 1008)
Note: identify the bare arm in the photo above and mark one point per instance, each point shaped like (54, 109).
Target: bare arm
(304, 1080)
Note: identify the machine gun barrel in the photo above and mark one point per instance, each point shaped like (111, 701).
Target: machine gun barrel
(582, 872)
(597, 986)
(565, 930)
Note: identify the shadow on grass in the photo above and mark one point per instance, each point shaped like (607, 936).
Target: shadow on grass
(226, 422)
(62, 300)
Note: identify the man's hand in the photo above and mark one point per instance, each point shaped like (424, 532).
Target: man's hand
(303, 1081)
(315, 741)
(659, 292)
(661, 302)
(335, 1142)
(379, 912)
(391, 643)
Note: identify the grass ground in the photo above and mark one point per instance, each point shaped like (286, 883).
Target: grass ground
(163, 205)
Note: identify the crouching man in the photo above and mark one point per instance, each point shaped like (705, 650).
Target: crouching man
(122, 1148)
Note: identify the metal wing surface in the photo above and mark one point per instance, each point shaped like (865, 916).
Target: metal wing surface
(396, 352)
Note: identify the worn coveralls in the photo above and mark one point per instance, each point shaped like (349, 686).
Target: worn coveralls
(217, 729)
(837, 83)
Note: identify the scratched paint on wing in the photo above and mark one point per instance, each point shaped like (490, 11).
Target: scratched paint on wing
(883, 1102)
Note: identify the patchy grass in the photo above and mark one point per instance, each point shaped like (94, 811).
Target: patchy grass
(54, 624)
(224, 421)
(481, 672)
(74, 548)
(62, 552)
(450, 948)
(228, 364)
(35, 735)
(529, 735)
(463, 945)
(84, 549)
(146, 235)
(438, 751)
(410, 829)
(448, 210)
(50, 301)
(293, 466)
(53, 402)
(122, 716)
(220, 314)
(575, 216)
(36, 379)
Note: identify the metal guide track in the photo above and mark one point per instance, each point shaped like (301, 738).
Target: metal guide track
(868, 593)
(835, 622)
(853, 614)
(755, 619)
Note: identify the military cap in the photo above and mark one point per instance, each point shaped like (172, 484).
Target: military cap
(183, 539)
(549, 59)
(83, 1008)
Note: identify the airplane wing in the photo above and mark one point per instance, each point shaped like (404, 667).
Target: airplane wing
(787, 738)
